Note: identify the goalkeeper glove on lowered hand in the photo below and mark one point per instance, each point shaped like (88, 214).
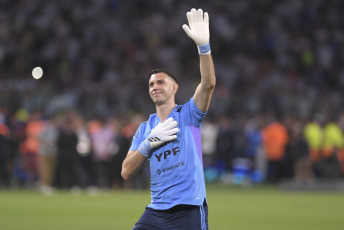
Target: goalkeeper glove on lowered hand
(198, 30)
(162, 133)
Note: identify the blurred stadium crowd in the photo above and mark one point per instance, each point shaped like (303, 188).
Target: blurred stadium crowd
(277, 110)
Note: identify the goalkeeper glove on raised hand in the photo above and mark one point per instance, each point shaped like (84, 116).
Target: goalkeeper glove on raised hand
(198, 30)
(162, 133)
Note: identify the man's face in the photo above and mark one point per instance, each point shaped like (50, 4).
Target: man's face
(162, 88)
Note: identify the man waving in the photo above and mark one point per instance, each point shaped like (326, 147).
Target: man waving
(171, 141)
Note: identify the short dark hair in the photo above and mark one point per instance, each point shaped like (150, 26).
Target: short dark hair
(168, 73)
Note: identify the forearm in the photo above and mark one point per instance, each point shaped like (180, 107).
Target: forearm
(207, 70)
(163, 132)
(204, 91)
(132, 164)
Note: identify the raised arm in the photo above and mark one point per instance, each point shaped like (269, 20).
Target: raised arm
(198, 30)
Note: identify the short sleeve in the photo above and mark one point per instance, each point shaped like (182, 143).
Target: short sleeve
(137, 138)
(192, 114)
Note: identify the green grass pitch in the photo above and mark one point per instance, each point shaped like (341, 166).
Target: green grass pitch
(229, 208)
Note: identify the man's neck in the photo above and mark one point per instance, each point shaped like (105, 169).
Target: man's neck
(164, 110)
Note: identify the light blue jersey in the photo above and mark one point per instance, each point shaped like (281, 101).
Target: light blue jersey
(176, 168)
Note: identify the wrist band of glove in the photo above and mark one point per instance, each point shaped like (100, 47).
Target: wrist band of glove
(204, 49)
(145, 148)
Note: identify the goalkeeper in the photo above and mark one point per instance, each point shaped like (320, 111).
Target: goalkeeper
(171, 141)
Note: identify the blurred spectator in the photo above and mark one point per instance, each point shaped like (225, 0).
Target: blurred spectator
(254, 149)
(5, 172)
(333, 143)
(298, 150)
(66, 173)
(340, 153)
(275, 139)
(47, 154)
(16, 166)
(104, 145)
(210, 131)
(30, 146)
(333, 140)
(119, 153)
(87, 174)
(313, 134)
(224, 142)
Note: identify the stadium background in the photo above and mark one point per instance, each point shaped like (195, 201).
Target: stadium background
(277, 62)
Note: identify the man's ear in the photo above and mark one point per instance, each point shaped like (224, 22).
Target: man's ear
(175, 88)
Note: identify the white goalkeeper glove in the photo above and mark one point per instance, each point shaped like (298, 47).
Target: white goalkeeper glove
(198, 30)
(162, 133)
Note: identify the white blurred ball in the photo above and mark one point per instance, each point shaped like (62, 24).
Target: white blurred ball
(37, 73)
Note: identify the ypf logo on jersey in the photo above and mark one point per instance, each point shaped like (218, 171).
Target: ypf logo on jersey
(167, 153)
